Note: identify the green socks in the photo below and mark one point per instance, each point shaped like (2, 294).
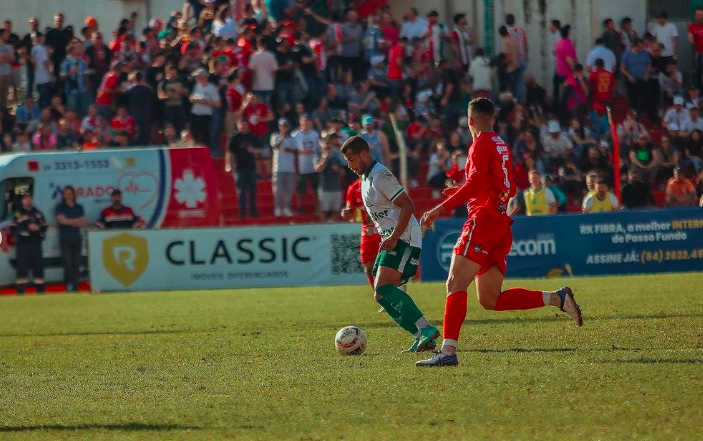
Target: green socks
(397, 317)
(401, 301)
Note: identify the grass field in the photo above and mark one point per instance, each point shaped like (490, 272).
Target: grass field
(261, 365)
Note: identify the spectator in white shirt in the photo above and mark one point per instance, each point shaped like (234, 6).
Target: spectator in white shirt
(602, 52)
(557, 146)
(42, 74)
(308, 148)
(481, 73)
(263, 65)
(665, 32)
(284, 149)
(204, 98)
(676, 114)
(413, 27)
(694, 122)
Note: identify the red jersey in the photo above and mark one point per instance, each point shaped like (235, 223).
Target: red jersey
(489, 177)
(602, 84)
(234, 99)
(240, 54)
(127, 127)
(395, 54)
(368, 228)
(254, 115)
(697, 32)
(106, 91)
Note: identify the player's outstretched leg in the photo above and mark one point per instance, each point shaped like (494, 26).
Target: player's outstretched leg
(492, 297)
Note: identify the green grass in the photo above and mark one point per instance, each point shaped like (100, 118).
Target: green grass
(261, 365)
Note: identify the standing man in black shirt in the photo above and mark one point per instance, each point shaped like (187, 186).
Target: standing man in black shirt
(244, 152)
(28, 42)
(285, 75)
(71, 219)
(141, 107)
(57, 38)
(29, 227)
(308, 67)
(636, 193)
(451, 94)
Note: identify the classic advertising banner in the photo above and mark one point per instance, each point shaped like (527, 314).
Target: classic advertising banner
(215, 258)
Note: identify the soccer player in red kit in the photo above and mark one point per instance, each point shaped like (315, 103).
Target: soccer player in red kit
(486, 238)
(370, 239)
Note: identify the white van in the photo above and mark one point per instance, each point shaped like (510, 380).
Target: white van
(167, 187)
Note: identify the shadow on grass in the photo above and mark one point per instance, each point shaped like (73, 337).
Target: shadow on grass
(104, 333)
(655, 361)
(518, 350)
(557, 317)
(127, 427)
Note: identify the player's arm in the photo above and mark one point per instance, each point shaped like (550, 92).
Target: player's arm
(479, 161)
(407, 208)
(347, 212)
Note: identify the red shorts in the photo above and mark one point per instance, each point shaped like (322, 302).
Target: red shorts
(369, 248)
(486, 240)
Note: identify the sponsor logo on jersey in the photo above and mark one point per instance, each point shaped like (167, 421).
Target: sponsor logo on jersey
(379, 215)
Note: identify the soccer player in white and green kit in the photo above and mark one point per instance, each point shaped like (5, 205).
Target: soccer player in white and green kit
(391, 209)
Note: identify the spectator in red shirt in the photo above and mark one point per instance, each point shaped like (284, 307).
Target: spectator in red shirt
(235, 98)
(695, 37)
(602, 84)
(109, 87)
(123, 128)
(396, 57)
(258, 115)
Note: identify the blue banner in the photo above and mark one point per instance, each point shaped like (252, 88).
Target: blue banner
(627, 242)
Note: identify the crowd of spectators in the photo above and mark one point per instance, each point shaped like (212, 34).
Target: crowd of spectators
(277, 86)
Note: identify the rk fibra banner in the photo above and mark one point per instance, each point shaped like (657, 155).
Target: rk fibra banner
(155, 260)
(628, 242)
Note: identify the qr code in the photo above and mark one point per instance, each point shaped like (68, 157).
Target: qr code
(345, 254)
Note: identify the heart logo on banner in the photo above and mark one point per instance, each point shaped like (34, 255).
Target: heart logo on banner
(139, 185)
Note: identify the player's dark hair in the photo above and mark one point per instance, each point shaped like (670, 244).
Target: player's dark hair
(355, 144)
(482, 106)
(600, 63)
(510, 19)
(602, 182)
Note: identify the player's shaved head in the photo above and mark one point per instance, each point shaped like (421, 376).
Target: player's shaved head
(481, 116)
(481, 107)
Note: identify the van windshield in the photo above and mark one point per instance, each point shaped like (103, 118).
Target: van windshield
(11, 191)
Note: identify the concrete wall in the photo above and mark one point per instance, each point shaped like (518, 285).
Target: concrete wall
(108, 12)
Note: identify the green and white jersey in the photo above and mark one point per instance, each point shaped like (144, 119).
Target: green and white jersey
(379, 188)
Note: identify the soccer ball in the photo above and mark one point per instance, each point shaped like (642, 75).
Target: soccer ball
(350, 340)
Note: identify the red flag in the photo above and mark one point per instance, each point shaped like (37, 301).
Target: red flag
(616, 154)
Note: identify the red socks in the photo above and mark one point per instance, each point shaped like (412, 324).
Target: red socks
(371, 282)
(519, 298)
(454, 314)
